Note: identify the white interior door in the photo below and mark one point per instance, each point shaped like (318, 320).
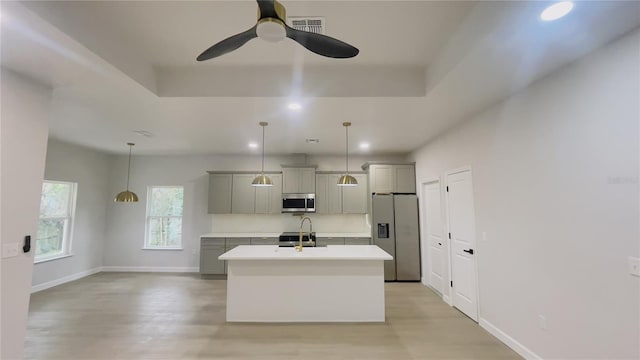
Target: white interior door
(462, 243)
(434, 229)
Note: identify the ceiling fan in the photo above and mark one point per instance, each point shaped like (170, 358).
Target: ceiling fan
(272, 27)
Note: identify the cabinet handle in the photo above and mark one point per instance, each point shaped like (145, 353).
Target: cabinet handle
(470, 251)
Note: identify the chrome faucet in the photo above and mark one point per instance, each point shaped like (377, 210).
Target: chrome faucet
(299, 247)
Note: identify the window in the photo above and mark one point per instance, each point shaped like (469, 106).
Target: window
(57, 209)
(164, 217)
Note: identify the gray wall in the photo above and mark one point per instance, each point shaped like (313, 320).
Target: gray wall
(555, 175)
(90, 169)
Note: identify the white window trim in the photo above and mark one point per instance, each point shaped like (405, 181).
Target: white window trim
(69, 226)
(147, 233)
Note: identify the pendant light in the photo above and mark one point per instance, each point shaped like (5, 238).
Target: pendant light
(262, 179)
(127, 196)
(346, 179)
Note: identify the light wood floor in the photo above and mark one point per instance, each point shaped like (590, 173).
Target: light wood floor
(176, 316)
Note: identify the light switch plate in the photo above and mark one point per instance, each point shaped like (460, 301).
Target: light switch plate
(634, 266)
(10, 250)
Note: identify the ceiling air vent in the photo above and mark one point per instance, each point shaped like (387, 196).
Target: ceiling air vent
(305, 23)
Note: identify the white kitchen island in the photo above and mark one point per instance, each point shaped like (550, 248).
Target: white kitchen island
(337, 283)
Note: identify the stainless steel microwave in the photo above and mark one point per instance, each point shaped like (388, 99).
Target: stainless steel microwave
(298, 203)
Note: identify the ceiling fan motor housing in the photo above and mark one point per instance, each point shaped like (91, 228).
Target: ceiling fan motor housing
(271, 28)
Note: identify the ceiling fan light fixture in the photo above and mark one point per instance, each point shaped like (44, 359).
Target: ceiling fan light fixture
(271, 30)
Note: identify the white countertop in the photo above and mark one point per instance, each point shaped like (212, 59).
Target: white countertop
(263, 235)
(331, 252)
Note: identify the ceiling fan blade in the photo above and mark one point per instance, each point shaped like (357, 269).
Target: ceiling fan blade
(322, 44)
(229, 44)
(267, 9)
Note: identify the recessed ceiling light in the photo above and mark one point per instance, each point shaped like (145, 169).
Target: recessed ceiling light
(556, 11)
(364, 146)
(294, 106)
(253, 145)
(312, 141)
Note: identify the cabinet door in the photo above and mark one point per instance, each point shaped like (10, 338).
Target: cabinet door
(275, 193)
(381, 178)
(264, 241)
(210, 249)
(220, 186)
(404, 177)
(357, 241)
(322, 194)
(354, 198)
(308, 180)
(291, 180)
(243, 197)
(324, 241)
(334, 195)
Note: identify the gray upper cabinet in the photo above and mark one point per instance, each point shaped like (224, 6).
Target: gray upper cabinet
(381, 178)
(243, 198)
(269, 198)
(404, 178)
(334, 199)
(328, 194)
(220, 186)
(390, 178)
(298, 180)
(354, 198)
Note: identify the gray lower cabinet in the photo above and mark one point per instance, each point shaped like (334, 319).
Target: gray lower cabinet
(264, 241)
(232, 243)
(210, 249)
(324, 241)
(357, 241)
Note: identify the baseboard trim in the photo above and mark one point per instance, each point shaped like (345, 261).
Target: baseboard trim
(165, 269)
(447, 299)
(508, 340)
(64, 279)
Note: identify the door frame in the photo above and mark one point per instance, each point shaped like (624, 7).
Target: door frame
(448, 241)
(424, 237)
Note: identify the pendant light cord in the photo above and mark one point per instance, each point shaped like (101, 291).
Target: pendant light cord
(347, 150)
(263, 151)
(129, 168)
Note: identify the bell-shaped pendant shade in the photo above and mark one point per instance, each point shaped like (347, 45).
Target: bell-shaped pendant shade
(262, 179)
(346, 179)
(127, 196)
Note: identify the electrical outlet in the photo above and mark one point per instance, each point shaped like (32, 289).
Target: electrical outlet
(484, 236)
(634, 266)
(10, 250)
(193, 251)
(542, 322)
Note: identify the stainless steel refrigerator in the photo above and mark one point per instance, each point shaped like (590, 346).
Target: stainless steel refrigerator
(396, 231)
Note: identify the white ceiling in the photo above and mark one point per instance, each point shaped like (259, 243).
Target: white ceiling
(119, 66)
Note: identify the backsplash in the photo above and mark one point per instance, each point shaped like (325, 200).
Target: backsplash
(356, 223)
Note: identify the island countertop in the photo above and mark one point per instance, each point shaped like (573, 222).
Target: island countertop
(275, 235)
(331, 252)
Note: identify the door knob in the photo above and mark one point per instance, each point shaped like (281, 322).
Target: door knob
(470, 251)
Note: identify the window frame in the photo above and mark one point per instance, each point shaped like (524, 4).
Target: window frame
(69, 224)
(148, 218)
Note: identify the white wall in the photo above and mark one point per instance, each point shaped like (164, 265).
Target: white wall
(126, 222)
(24, 127)
(90, 169)
(555, 171)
